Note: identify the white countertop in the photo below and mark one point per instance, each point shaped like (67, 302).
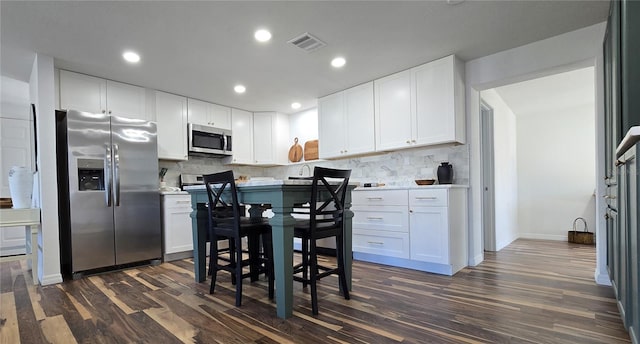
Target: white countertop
(173, 192)
(261, 182)
(412, 187)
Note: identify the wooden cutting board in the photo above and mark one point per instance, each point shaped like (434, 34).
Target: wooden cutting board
(311, 150)
(295, 152)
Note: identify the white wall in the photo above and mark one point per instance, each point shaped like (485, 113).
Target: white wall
(14, 99)
(564, 52)
(304, 126)
(556, 172)
(505, 170)
(42, 94)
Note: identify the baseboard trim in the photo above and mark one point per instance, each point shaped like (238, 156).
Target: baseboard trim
(476, 260)
(602, 278)
(538, 236)
(51, 279)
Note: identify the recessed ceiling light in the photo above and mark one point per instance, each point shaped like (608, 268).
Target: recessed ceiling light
(130, 56)
(239, 89)
(338, 62)
(295, 105)
(262, 35)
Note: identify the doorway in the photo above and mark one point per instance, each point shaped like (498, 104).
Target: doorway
(538, 140)
(488, 195)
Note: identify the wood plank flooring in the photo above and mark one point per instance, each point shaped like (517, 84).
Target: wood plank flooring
(530, 292)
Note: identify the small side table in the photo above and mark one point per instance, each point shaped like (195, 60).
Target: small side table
(30, 219)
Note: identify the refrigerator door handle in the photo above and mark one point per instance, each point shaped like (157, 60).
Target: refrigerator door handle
(107, 176)
(116, 175)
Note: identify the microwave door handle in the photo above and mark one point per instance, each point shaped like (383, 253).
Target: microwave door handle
(107, 176)
(224, 142)
(116, 175)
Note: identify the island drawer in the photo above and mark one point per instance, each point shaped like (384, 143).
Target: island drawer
(390, 244)
(392, 218)
(429, 198)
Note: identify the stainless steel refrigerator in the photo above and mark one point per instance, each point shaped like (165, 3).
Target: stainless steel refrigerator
(108, 192)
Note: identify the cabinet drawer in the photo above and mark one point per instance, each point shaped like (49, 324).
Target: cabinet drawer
(435, 197)
(391, 244)
(379, 197)
(392, 218)
(176, 201)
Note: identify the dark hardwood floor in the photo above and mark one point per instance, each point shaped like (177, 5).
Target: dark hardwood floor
(530, 292)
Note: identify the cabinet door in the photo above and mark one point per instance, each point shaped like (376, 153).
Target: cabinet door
(198, 112)
(171, 116)
(125, 100)
(177, 223)
(82, 92)
(331, 131)
(220, 116)
(429, 234)
(242, 131)
(359, 119)
(435, 112)
(393, 111)
(15, 150)
(263, 124)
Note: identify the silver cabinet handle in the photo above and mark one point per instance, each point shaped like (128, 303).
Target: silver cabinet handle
(183, 202)
(374, 198)
(116, 175)
(426, 198)
(107, 176)
(609, 197)
(375, 218)
(375, 243)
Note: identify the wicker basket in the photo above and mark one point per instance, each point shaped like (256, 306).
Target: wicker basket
(581, 237)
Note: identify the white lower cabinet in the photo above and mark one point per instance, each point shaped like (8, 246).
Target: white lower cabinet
(176, 226)
(423, 229)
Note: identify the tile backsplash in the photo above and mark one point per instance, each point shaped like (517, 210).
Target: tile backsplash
(394, 168)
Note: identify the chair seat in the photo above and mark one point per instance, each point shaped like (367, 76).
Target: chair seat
(302, 229)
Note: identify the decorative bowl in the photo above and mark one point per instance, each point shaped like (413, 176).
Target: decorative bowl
(425, 181)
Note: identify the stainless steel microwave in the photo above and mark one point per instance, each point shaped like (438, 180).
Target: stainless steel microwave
(209, 140)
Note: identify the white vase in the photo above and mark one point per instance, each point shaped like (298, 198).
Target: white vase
(20, 186)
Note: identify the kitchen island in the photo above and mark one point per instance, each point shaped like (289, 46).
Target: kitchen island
(282, 195)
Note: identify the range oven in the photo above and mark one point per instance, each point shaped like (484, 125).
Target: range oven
(209, 140)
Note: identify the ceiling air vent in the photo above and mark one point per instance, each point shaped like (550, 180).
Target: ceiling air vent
(307, 42)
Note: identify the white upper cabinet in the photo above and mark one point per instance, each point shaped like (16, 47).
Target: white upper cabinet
(393, 111)
(331, 129)
(347, 122)
(439, 109)
(421, 106)
(209, 114)
(270, 136)
(86, 93)
(242, 136)
(172, 126)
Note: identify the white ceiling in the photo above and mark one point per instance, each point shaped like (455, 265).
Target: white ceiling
(558, 91)
(202, 49)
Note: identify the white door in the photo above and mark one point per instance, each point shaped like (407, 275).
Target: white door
(359, 115)
(393, 111)
(331, 129)
(242, 136)
(434, 96)
(126, 101)
(82, 92)
(171, 113)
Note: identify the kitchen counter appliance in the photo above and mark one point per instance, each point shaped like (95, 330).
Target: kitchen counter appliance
(108, 192)
(209, 140)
